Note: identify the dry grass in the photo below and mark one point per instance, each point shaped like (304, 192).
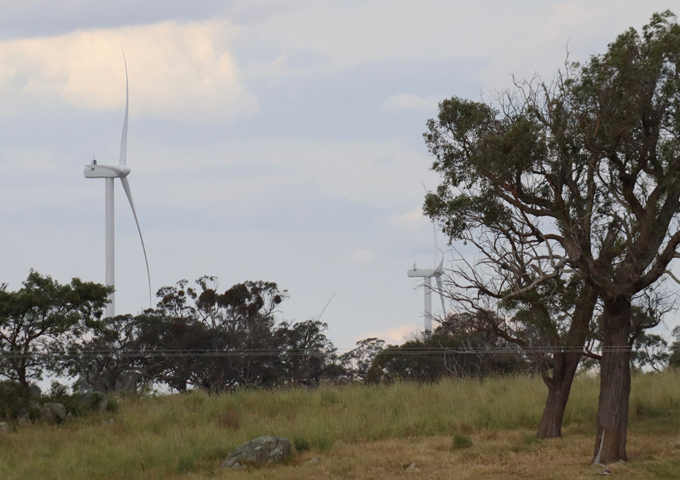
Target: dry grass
(230, 419)
(502, 455)
(358, 432)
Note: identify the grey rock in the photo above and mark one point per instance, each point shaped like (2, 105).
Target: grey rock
(108, 421)
(54, 412)
(259, 450)
(413, 466)
(314, 460)
(96, 401)
(23, 418)
(4, 427)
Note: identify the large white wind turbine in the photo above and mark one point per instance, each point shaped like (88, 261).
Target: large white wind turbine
(108, 173)
(427, 274)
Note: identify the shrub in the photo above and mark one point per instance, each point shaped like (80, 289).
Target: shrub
(301, 445)
(461, 441)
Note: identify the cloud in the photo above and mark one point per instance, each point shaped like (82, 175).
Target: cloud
(568, 17)
(305, 58)
(178, 71)
(394, 335)
(409, 102)
(409, 220)
(362, 256)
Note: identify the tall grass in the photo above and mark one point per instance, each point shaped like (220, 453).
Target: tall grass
(169, 436)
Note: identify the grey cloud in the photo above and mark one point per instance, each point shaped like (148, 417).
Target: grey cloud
(253, 51)
(386, 161)
(305, 58)
(346, 103)
(32, 18)
(37, 18)
(297, 207)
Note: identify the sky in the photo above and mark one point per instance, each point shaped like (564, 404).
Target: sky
(276, 140)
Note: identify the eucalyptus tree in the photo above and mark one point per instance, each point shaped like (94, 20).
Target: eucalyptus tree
(516, 290)
(674, 358)
(591, 164)
(40, 317)
(109, 358)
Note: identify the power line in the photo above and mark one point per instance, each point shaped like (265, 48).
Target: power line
(255, 352)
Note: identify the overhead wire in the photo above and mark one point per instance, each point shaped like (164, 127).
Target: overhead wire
(255, 352)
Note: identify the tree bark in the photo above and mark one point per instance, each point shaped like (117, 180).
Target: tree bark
(23, 381)
(558, 394)
(566, 364)
(612, 414)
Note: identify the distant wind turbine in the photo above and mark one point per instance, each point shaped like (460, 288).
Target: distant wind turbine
(108, 173)
(427, 274)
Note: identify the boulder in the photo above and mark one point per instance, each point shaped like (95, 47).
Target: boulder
(260, 450)
(53, 412)
(96, 401)
(23, 418)
(4, 427)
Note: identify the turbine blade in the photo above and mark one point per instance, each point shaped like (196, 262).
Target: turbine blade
(123, 138)
(441, 295)
(128, 192)
(441, 262)
(434, 231)
(324, 308)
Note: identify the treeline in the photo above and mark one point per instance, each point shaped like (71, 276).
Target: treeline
(198, 338)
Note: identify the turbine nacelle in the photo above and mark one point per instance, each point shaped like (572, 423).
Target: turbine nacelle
(427, 272)
(421, 272)
(105, 171)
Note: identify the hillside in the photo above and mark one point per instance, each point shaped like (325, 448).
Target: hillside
(357, 432)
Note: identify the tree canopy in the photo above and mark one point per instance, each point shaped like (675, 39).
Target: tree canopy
(585, 170)
(38, 318)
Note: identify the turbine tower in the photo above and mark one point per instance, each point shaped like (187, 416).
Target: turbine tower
(427, 274)
(109, 173)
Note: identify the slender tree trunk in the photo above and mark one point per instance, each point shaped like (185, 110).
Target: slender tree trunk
(558, 394)
(612, 414)
(566, 364)
(23, 381)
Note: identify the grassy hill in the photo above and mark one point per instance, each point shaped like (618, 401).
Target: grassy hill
(357, 432)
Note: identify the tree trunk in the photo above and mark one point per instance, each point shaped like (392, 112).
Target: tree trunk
(25, 386)
(558, 394)
(566, 364)
(612, 413)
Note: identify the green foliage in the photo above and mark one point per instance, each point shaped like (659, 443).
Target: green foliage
(13, 401)
(301, 444)
(112, 404)
(40, 317)
(357, 361)
(444, 354)
(94, 400)
(577, 178)
(674, 359)
(650, 351)
(217, 342)
(185, 464)
(57, 390)
(461, 441)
